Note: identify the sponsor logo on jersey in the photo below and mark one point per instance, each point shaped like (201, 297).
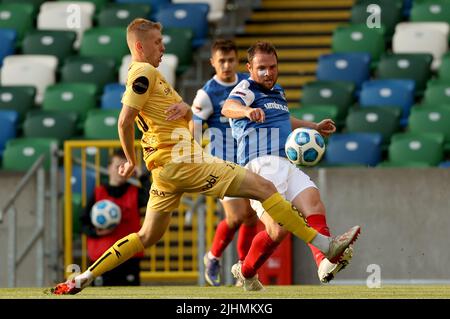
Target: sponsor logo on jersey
(276, 106)
(210, 182)
(158, 193)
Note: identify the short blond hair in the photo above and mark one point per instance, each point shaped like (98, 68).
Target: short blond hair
(138, 28)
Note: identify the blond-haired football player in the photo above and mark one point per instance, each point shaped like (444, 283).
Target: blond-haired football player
(178, 164)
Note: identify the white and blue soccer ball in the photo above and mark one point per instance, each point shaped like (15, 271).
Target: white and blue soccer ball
(305, 147)
(105, 214)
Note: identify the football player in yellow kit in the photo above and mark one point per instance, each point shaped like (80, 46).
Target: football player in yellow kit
(179, 165)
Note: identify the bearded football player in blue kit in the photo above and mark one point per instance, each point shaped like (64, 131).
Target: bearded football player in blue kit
(261, 124)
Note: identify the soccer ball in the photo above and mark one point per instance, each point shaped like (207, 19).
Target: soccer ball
(105, 214)
(305, 146)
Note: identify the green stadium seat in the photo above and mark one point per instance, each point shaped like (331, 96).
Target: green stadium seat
(444, 69)
(35, 3)
(391, 13)
(315, 113)
(18, 16)
(57, 43)
(107, 42)
(416, 147)
(430, 11)
(359, 38)
(101, 124)
(431, 119)
(329, 93)
(414, 66)
(58, 125)
(99, 71)
(178, 41)
(71, 97)
(121, 14)
(21, 153)
(383, 120)
(17, 98)
(437, 93)
(99, 4)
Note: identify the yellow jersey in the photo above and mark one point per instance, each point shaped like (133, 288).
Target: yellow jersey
(148, 91)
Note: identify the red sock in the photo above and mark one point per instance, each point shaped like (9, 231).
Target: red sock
(261, 249)
(224, 235)
(246, 235)
(319, 223)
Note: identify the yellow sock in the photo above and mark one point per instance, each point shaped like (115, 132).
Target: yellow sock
(121, 251)
(287, 216)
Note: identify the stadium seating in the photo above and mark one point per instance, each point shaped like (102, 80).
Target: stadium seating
(17, 16)
(66, 16)
(71, 97)
(8, 123)
(155, 5)
(390, 14)
(444, 69)
(121, 14)
(178, 41)
(8, 41)
(389, 93)
(17, 98)
(315, 113)
(187, 15)
(216, 8)
(374, 120)
(428, 11)
(431, 119)
(406, 66)
(101, 124)
(21, 153)
(421, 147)
(112, 98)
(354, 148)
(34, 3)
(35, 70)
(58, 125)
(422, 37)
(98, 71)
(351, 67)
(437, 93)
(335, 93)
(359, 38)
(105, 42)
(50, 42)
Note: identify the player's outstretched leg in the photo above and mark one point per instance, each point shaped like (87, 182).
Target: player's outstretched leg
(154, 227)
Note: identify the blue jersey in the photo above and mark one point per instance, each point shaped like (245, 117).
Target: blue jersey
(258, 139)
(207, 106)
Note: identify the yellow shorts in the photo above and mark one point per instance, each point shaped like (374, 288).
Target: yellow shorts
(213, 178)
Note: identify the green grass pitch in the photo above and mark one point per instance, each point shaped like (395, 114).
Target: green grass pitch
(228, 292)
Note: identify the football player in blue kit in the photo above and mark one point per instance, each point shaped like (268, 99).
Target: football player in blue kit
(206, 107)
(261, 124)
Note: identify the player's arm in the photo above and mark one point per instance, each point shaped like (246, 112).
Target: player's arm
(235, 110)
(325, 127)
(126, 135)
